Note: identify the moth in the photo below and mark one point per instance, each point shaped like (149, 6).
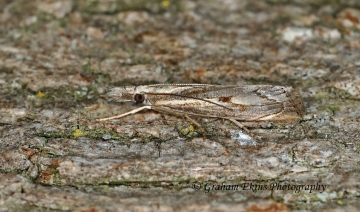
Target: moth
(246, 103)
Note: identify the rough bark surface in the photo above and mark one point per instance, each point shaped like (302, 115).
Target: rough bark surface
(57, 58)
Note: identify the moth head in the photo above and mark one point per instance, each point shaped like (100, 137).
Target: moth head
(139, 98)
(121, 94)
(126, 94)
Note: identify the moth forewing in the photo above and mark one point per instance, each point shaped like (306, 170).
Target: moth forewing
(243, 103)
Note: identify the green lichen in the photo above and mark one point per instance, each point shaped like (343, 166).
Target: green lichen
(188, 132)
(66, 96)
(113, 7)
(333, 109)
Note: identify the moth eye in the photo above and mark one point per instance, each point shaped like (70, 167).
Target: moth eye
(139, 98)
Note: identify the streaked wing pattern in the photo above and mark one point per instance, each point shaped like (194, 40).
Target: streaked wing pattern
(245, 103)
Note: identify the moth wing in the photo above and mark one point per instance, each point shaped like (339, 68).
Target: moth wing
(246, 103)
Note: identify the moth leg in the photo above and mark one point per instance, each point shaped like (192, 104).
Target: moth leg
(161, 109)
(125, 114)
(245, 129)
(198, 125)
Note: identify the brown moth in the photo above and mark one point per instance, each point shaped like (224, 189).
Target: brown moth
(235, 103)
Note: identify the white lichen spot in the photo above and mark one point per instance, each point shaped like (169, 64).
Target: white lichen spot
(291, 34)
(242, 138)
